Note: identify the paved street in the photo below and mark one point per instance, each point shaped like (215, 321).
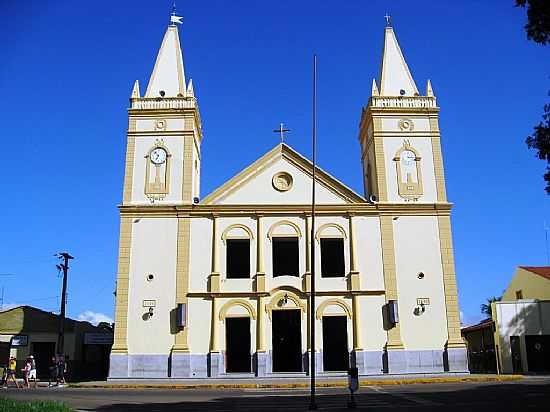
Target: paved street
(529, 394)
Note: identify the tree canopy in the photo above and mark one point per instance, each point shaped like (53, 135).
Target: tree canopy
(538, 30)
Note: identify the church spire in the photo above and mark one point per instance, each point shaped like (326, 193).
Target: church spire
(168, 77)
(395, 77)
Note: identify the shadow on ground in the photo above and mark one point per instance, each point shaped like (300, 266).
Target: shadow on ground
(479, 398)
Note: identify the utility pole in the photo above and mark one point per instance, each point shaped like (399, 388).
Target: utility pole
(65, 257)
(2, 295)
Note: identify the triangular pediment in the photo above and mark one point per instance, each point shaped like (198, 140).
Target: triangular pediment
(282, 176)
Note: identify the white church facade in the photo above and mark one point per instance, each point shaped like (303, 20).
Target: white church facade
(219, 286)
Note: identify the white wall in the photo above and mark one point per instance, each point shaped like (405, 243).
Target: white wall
(520, 318)
(153, 250)
(417, 250)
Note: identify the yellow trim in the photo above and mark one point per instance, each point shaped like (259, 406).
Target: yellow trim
(294, 158)
(237, 302)
(408, 189)
(120, 344)
(237, 226)
(273, 304)
(182, 277)
(283, 222)
(390, 278)
(318, 235)
(449, 283)
(334, 302)
(158, 189)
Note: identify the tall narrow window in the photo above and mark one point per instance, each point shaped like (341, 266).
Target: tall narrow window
(332, 257)
(238, 258)
(285, 256)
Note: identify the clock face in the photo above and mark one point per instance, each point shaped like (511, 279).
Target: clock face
(158, 156)
(407, 157)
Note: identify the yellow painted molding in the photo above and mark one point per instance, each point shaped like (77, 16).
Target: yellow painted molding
(319, 233)
(236, 226)
(237, 302)
(120, 344)
(332, 302)
(182, 276)
(281, 223)
(275, 303)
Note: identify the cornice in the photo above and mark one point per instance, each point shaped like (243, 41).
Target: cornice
(365, 209)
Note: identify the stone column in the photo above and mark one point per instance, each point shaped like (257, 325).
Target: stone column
(214, 355)
(181, 360)
(455, 348)
(261, 355)
(306, 287)
(214, 281)
(397, 361)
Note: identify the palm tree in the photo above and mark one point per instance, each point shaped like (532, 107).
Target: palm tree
(486, 307)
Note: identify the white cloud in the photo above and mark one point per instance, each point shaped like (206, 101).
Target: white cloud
(94, 317)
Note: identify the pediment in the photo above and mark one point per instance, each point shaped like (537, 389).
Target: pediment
(282, 176)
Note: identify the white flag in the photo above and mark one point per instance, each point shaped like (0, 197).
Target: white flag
(175, 19)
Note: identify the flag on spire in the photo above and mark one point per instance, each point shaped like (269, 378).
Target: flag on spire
(174, 18)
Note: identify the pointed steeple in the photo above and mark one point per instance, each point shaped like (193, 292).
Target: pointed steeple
(168, 75)
(135, 90)
(190, 91)
(429, 89)
(395, 77)
(374, 91)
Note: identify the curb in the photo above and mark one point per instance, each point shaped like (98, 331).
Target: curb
(329, 384)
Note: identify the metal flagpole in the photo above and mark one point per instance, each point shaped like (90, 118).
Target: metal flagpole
(312, 404)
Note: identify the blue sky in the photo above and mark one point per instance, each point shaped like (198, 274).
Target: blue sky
(66, 73)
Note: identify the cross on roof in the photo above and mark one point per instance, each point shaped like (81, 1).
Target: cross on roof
(281, 130)
(388, 19)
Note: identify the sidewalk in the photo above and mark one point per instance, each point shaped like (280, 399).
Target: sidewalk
(289, 381)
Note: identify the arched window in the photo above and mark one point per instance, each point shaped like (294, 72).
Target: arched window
(237, 246)
(284, 236)
(331, 238)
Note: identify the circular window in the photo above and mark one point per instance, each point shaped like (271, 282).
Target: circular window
(282, 181)
(150, 277)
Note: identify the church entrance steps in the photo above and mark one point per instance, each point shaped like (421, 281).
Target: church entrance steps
(290, 382)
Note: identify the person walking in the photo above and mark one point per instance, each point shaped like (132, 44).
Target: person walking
(26, 371)
(12, 366)
(61, 369)
(32, 373)
(53, 372)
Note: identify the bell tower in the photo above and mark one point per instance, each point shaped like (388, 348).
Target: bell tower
(399, 135)
(164, 133)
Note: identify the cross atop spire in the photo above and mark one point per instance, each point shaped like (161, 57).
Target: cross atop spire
(281, 130)
(388, 20)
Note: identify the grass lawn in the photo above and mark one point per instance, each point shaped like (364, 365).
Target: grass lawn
(10, 405)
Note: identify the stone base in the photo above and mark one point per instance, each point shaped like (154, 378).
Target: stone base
(261, 363)
(118, 366)
(368, 362)
(456, 360)
(186, 365)
(414, 361)
(318, 362)
(215, 364)
(148, 366)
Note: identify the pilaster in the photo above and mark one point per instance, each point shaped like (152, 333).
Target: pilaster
(182, 277)
(390, 278)
(449, 283)
(120, 345)
(214, 280)
(260, 272)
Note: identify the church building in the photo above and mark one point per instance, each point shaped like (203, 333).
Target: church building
(218, 286)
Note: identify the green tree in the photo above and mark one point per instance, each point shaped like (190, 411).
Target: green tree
(538, 30)
(486, 307)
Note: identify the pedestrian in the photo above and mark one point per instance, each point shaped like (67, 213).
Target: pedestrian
(26, 371)
(61, 369)
(53, 372)
(12, 366)
(32, 373)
